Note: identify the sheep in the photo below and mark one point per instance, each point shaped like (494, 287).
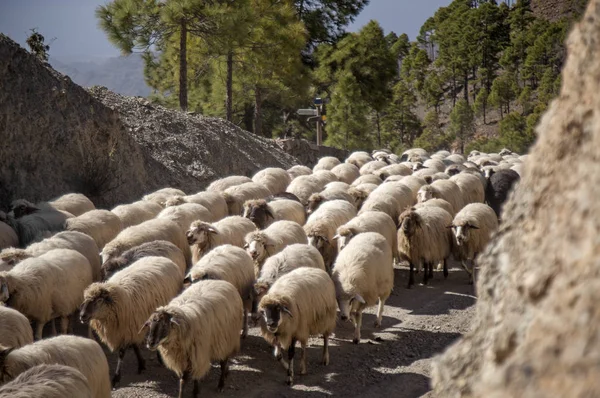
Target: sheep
(454, 169)
(435, 164)
(392, 170)
(263, 244)
(316, 199)
(101, 225)
(414, 155)
(369, 221)
(325, 177)
(326, 163)
(223, 184)
(157, 229)
(73, 240)
(304, 186)
(237, 195)
(117, 308)
(470, 187)
(498, 188)
(298, 305)
(283, 196)
(199, 326)
(292, 257)
(203, 237)
(137, 212)
(74, 203)
(298, 170)
(369, 168)
(401, 198)
(441, 203)
(274, 179)
(363, 274)
(443, 153)
(424, 172)
(47, 286)
(475, 171)
(263, 213)
(213, 201)
(367, 179)
(232, 264)
(162, 195)
(80, 353)
(473, 228)
(48, 381)
(443, 189)
(424, 239)
(321, 226)
(338, 186)
(518, 168)
(32, 224)
(8, 236)
(384, 157)
(15, 330)
(346, 172)
(159, 248)
(359, 159)
(456, 158)
(414, 183)
(184, 215)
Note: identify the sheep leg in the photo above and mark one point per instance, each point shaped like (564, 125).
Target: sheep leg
(182, 381)
(279, 356)
(358, 321)
(379, 313)
(425, 274)
(224, 372)
(159, 358)
(445, 269)
(326, 349)
(117, 376)
(290, 370)
(411, 275)
(70, 326)
(53, 325)
(245, 329)
(140, 359)
(466, 268)
(64, 324)
(39, 328)
(196, 391)
(431, 270)
(303, 358)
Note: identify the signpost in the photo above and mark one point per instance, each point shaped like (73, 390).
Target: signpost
(307, 112)
(315, 112)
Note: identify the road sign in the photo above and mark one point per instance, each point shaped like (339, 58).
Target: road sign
(307, 112)
(318, 101)
(323, 117)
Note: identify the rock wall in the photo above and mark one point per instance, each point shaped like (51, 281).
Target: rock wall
(537, 321)
(309, 153)
(553, 10)
(55, 138)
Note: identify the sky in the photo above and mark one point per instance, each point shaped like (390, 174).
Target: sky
(74, 28)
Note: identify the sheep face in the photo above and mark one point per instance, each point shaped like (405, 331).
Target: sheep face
(198, 234)
(174, 201)
(409, 223)
(4, 291)
(418, 166)
(314, 202)
(273, 315)
(22, 208)
(462, 233)
(343, 238)
(11, 257)
(382, 157)
(319, 242)
(258, 214)
(257, 249)
(109, 267)
(358, 195)
(488, 172)
(159, 327)
(96, 305)
(349, 303)
(424, 194)
(452, 170)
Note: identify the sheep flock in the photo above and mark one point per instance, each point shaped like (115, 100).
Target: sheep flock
(291, 253)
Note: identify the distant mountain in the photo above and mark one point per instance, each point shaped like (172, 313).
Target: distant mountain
(123, 75)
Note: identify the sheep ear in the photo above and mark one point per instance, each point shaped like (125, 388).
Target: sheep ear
(187, 279)
(451, 226)
(474, 226)
(175, 321)
(246, 246)
(359, 298)
(287, 311)
(336, 237)
(212, 230)
(144, 326)
(268, 213)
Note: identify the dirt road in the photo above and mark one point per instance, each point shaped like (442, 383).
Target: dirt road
(395, 359)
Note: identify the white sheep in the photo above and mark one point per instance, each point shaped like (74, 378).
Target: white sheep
(326, 163)
(361, 192)
(456, 158)
(162, 195)
(304, 186)
(80, 353)
(363, 274)
(184, 215)
(156, 229)
(137, 212)
(316, 199)
(392, 170)
(435, 164)
(371, 167)
(414, 153)
(274, 179)
(8, 236)
(74, 203)
(47, 286)
(263, 213)
(367, 179)
(203, 237)
(48, 381)
(117, 309)
(443, 189)
(346, 172)
(222, 184)
(15, 330)
(101, 225)
(263, 244)
(369, 221)
(337, 186)
(414, 183)
(321, 226)
(382, 201)
(199, 326)
(424, 239)
(300, 304)
(359, 159)
(441, 203)
(160, 248)
(232, 264)
(325, 177)
(298, 170)
(473, 228)
(471, 188)
(213, 201)
(237, 195)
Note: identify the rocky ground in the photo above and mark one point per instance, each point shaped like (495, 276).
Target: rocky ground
(391, 361)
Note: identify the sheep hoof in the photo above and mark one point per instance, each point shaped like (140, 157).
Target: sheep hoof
(325, 361)
(377, 324)
(221, 387)
(141, 367)
(115, 380)
(356, 341)
(289, 381)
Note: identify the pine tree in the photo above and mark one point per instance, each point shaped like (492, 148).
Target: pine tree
(36, 44)
(462, 123)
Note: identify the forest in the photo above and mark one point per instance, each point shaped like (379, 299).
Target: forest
(479, 74)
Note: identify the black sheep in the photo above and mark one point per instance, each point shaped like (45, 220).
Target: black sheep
(498, 187)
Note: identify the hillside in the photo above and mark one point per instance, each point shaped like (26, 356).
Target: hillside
(57, 137)
(553, 10)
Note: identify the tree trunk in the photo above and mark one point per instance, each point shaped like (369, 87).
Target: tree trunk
(183, 96)
(466, 87)
(378, 129)
(229, 99)
(257, 111)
